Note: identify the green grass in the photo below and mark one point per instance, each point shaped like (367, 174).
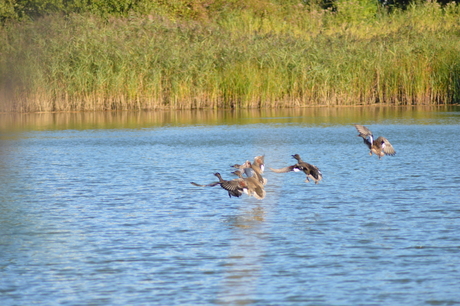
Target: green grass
(264, 55)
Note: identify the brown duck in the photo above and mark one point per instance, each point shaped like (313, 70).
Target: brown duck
(255, 187)
(259, 162)
(252, 169)
(380, 146)
(235, 187)
(311, 171)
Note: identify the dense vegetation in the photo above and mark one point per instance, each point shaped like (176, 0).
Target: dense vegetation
(59, 55)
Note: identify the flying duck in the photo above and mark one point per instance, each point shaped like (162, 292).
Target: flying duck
(252, 169)
(235, 187)
(259, 162)
(311, 171)
(255, 187)
(380, 146)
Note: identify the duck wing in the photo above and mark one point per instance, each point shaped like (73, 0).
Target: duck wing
(285, 169)
(386, 146)
(207, 185)
(363, 131)
(259, 193)
(259, 161)
(310, 170)
(255, 188)
(316, 174)
(366, 134)
(234, 187)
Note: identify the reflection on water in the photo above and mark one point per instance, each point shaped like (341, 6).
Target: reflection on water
(310, 115)
(98, 209)
(245, 257)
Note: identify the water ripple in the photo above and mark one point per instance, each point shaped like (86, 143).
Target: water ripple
(110, 217)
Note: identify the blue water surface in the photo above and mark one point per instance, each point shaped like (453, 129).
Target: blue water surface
(108, 216)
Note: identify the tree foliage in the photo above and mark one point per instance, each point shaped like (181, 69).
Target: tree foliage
(32, 9)
(23, 9)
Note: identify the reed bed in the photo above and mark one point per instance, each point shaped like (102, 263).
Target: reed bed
(282, 56)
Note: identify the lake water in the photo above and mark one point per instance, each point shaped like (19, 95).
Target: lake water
(98, 209)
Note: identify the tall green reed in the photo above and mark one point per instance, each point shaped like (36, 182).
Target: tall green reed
(284, 56)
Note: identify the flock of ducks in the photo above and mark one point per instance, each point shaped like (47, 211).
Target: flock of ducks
(251, 181)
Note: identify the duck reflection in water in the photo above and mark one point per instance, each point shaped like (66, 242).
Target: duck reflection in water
(246, 254)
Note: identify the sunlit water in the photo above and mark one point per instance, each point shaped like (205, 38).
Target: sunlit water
(106, 215)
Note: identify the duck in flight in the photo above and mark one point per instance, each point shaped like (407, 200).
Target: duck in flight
(254, 169)
(235, 187)
(380, 146)
(255, 187)
(312, 172)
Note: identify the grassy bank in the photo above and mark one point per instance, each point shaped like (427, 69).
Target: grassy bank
(260, 56)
